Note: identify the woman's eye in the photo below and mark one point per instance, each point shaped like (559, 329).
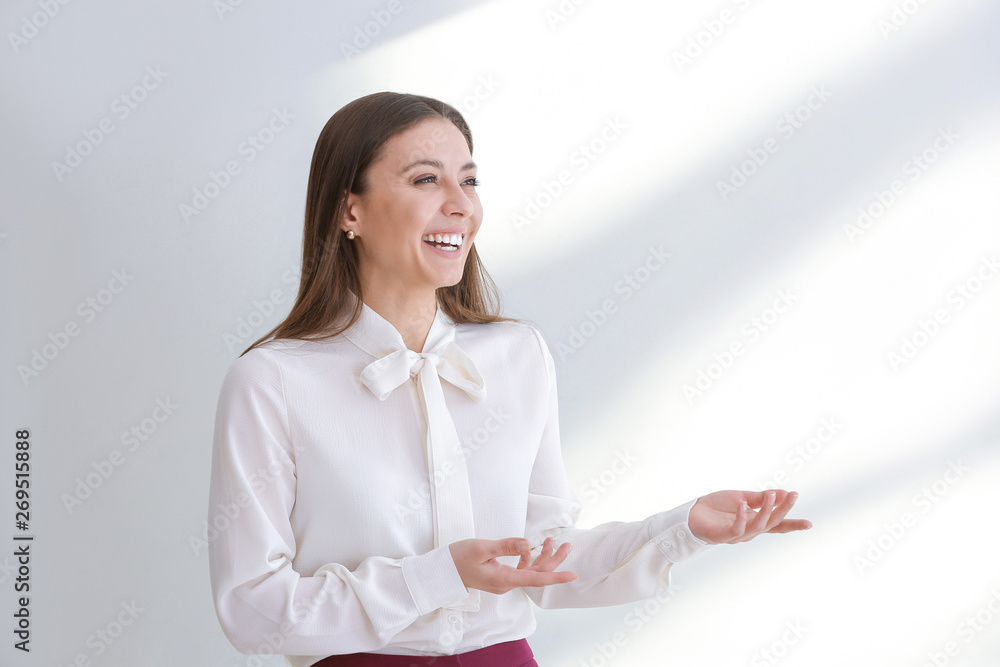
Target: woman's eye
(474, 182)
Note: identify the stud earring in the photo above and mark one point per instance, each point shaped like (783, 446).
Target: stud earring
(350, 234)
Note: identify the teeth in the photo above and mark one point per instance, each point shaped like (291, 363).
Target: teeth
(452, 239)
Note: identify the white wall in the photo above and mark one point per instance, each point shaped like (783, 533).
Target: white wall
(903, 551)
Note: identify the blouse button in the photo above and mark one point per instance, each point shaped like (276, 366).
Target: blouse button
(453, 618)
(666, 544)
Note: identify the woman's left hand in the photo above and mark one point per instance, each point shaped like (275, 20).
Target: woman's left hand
(726, 517)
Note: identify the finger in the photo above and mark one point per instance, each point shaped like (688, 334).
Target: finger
(546, 553)
(759, 522)
(742, 516)
(789, 525)
(525, 560)
(781, 509)
(546, 548)
(531, 559)
(735, 530)
(488, 550)
(532, 578)
(555, 560)
(754, 498)
(512, 546)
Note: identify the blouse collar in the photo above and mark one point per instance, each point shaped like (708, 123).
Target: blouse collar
(378, 337)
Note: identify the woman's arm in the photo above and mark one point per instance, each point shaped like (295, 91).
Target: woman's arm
(620, 562)
(263, 604)
(616, 562)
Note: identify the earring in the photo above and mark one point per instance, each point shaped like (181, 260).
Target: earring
(350, 234)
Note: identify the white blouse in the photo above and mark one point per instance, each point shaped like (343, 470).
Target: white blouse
(337, 484)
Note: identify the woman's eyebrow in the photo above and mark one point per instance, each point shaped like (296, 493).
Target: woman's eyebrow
(435, 163)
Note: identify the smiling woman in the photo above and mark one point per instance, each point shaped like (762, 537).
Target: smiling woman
(384, 160)
(367, 520)
(414, 222)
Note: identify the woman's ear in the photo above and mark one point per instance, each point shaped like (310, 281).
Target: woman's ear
(351, 211)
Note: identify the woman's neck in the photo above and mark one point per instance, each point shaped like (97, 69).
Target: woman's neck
(411, 316)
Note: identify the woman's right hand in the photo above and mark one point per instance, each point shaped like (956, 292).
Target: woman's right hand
(477, 564)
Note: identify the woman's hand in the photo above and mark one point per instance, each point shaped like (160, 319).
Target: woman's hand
(726, 517)
(476, 562)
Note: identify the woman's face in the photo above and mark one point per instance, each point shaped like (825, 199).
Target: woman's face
(424, 183)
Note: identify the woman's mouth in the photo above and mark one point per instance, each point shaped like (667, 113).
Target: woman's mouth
(446, 242)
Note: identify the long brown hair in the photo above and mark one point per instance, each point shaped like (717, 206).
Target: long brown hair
(349, 143)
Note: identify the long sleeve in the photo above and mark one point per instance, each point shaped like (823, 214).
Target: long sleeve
(616, 562)
(263, 604)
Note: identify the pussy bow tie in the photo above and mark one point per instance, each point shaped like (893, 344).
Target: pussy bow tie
(451, 499)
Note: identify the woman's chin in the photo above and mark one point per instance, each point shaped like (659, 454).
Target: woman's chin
(449, 282)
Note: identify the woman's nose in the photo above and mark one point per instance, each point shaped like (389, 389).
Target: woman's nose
(458, 202)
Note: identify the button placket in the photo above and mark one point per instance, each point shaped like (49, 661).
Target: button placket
(451, 629)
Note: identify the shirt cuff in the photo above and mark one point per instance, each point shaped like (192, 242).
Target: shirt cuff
(433, 580)
(672, 534)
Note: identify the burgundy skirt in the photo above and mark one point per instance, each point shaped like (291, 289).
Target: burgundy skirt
(506, 654)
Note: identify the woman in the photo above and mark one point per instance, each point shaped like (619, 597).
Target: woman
(386, 519)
